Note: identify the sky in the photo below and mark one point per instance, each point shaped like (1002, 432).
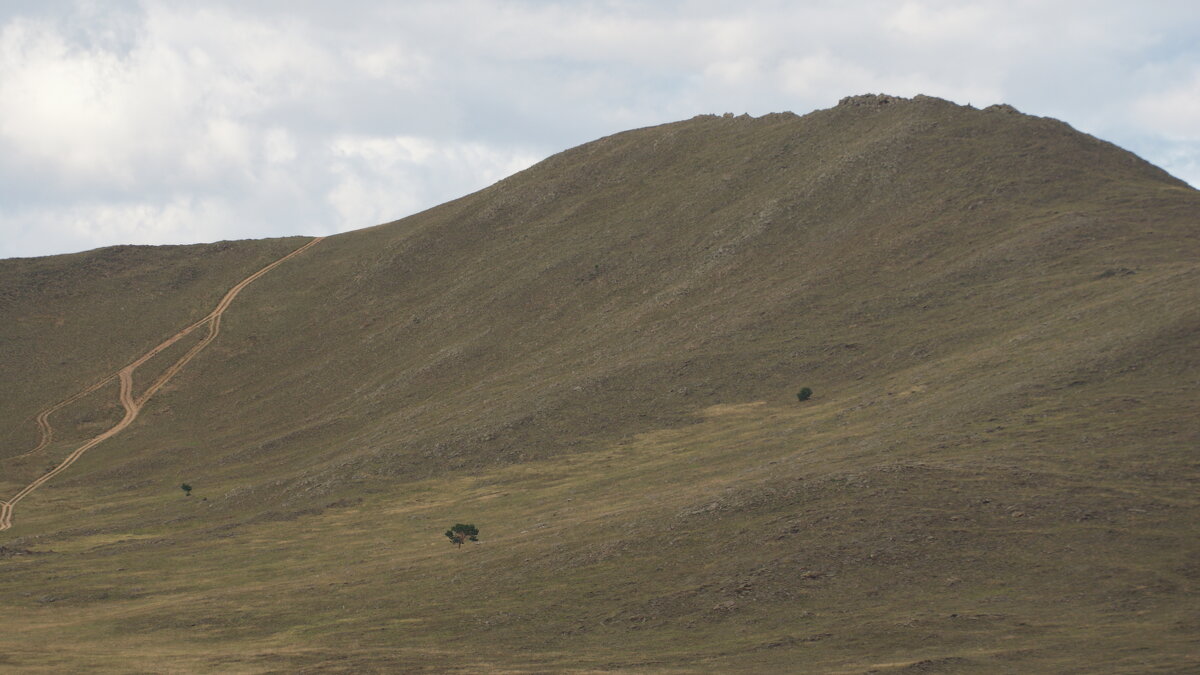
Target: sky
(161, 122)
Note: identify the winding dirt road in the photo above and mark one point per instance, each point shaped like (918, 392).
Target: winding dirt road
(133, 405)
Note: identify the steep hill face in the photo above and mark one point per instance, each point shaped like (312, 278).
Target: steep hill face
(596, 361)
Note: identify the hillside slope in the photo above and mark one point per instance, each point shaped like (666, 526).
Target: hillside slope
(596, 362)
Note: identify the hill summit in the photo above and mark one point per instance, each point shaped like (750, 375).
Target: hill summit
(596, 361)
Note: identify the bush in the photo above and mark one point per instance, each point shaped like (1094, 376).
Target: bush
(462, 533)
(804, 394)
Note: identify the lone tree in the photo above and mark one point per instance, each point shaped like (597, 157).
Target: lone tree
(804, 394)
(462, 533)
(187, 489)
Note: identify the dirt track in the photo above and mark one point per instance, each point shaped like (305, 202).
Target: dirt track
(133, 405)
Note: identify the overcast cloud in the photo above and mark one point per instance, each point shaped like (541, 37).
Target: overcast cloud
(164, 122)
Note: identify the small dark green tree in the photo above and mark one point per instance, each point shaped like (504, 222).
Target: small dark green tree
(804, 394)
(462, 533)
(187, 489)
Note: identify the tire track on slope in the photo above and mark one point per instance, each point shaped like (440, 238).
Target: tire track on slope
(131, 404)
(45, 431)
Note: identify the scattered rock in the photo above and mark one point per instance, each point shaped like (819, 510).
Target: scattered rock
(869, 100)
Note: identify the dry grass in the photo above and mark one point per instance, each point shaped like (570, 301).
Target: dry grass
(596, 361)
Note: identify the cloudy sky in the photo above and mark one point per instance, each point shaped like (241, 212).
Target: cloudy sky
(172, 122)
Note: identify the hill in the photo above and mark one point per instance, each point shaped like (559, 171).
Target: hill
(596, 362)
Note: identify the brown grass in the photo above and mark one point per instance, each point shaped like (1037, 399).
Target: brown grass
(595, 361)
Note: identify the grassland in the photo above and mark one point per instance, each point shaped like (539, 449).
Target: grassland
(595, 361)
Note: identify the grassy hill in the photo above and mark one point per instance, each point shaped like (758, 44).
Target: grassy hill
(596, 362)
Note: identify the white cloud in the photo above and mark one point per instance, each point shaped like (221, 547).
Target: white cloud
(1173, 112)
(56, 107)
(385, 153)
(391, 62)
(1183, 161)
(939, 21)
(177, 107)
(90, 225)
(278, 146)
(380, 177)
(814, 73)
